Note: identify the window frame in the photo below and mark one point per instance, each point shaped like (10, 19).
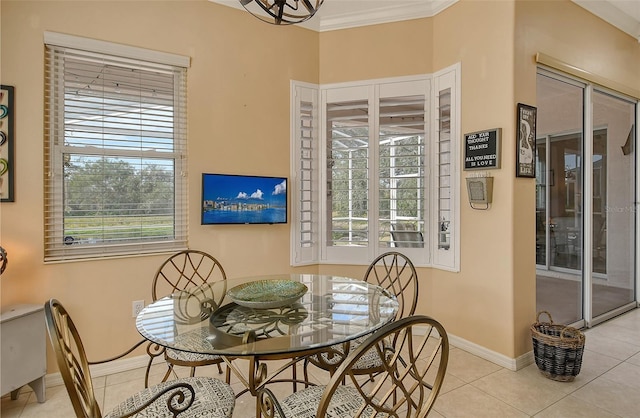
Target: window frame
(55, 249)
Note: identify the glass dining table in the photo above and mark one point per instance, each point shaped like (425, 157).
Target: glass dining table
(286, 316)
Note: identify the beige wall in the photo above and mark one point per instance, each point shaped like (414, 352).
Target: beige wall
(238, 123)
(389, 50)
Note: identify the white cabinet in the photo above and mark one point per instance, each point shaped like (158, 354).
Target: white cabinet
(23, 356)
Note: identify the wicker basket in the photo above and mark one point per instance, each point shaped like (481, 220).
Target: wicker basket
(557, 349)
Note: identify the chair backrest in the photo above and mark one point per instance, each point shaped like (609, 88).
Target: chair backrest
(414, 370)
(184, 270)
(395, 272)
(72, 360)
(407, 239)
(404, 235)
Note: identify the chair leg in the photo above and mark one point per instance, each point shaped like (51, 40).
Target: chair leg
(146, 374)
(169, 370)
(294, 375)
(219, 368)
(306, 373)
(193, 372)
(153, 350)
(228, 375)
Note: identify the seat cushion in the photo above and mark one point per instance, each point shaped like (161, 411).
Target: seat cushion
(214, 399)
(177, 356)
(304, 404)
(367, 361)
(194, 339)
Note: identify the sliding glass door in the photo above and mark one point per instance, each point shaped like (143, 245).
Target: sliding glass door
(613, 208)
(559, 199)
(585, 201)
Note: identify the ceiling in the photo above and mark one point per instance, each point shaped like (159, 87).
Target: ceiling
(341, 14)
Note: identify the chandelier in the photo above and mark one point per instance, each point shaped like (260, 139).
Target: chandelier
(282, 12)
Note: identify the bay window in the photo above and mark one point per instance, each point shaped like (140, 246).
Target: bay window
(374, 169)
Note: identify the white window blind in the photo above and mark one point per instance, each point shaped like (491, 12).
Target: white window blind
(115, 155)
(401, 171)
(444, 169)
(348, 173)
(446, 179)
(305, 174)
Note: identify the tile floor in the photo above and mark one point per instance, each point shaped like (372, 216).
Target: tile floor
(607, 386)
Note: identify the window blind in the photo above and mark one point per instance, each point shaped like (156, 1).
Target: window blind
(445, 158)
(115, 155)
(305, 174)
(401, 168)
(348, 171)
(307, 181)
(444, 170)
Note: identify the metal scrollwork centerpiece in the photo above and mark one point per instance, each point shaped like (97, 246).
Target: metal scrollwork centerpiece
(263, 323)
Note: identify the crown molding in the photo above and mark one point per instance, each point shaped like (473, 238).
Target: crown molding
(382, 14)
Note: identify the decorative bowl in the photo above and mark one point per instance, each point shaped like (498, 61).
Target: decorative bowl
(267, 294)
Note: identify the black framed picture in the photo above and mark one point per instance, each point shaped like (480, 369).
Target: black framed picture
(526, 136)
(6, 143)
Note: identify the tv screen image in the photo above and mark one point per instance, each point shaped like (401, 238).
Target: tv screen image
(238, 199)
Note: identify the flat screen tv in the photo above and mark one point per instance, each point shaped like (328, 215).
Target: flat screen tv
(237, 199)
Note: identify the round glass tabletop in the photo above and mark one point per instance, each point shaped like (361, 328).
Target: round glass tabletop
(265, 316)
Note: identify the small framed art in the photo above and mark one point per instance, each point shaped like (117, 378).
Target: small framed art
(526, 136)
(6, 143)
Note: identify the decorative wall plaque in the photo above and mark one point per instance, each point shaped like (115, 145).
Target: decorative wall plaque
(526, 146)
(7, 145)
(482, 149)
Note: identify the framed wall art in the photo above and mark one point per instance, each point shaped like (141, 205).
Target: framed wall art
(6, 143)
(526, 137)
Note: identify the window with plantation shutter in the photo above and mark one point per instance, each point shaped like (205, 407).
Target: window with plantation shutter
(376, 178)
(348, 173)
(115, 150)
(387, 166)
(402, 181)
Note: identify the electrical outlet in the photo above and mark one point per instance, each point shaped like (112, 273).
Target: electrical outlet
(137, 306)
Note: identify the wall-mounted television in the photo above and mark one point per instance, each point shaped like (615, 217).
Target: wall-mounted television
(238, 199)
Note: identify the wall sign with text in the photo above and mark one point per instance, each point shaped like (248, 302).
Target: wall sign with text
(482, 149)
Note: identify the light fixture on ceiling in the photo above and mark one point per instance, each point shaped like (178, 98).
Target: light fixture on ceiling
(282, 12)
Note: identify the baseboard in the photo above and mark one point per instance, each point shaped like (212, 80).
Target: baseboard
(484, 353)
(492, 356)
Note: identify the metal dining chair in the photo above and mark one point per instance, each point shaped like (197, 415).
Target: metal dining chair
(411, 376)
(184, 270)
(187, 397)
(394, 272)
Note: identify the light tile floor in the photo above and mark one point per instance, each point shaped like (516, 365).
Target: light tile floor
(607, 386)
